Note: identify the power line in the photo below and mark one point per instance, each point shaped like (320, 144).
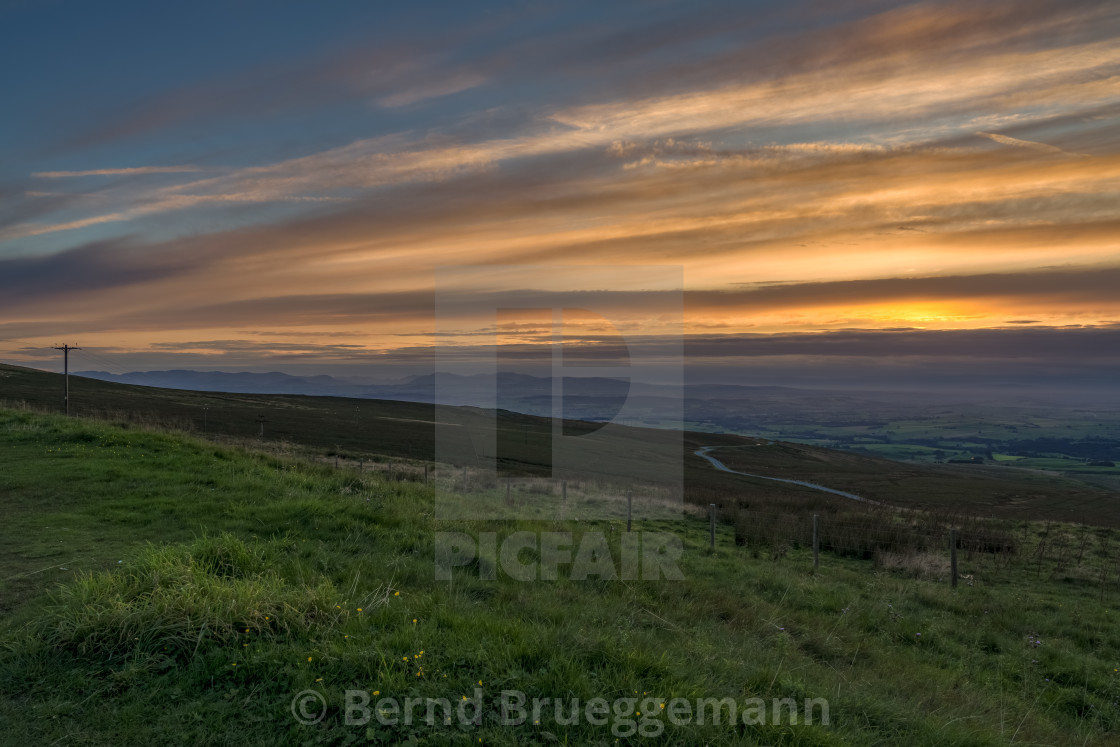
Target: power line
(110, 367)
(66, 371)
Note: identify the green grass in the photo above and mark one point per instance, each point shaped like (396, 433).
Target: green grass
(160, 589)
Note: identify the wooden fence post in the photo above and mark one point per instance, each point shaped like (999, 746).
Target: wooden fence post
(629, 508)
(953, 558)
(816, 545)
(712, 526)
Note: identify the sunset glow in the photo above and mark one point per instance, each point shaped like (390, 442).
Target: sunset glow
(285, 197)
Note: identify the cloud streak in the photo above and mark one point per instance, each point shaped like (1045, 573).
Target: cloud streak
(846, 80)
(881, 166)
(134, 171)
(1017, 143)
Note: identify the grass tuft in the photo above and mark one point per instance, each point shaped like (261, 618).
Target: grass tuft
(177, 601)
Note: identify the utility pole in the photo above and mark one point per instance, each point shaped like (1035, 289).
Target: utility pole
(66, 371)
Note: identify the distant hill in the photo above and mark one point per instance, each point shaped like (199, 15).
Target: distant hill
(222, 381)
(925, 427)
(365, 427)
(595, 396)
(587, 397)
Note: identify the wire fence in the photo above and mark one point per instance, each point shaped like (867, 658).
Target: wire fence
(922, 545)
(868, 535)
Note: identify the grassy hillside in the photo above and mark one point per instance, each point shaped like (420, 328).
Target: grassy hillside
(363, 429)
(158, 588)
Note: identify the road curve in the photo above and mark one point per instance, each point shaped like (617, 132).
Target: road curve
(724, 468)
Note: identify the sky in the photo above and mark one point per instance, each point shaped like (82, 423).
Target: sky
(838, 186)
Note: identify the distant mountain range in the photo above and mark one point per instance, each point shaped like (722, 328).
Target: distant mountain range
(240, 383)
(723, 407)
(585, 398)
(930, 425)
(417, 388)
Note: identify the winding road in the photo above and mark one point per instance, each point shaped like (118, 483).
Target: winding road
(724, 468)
